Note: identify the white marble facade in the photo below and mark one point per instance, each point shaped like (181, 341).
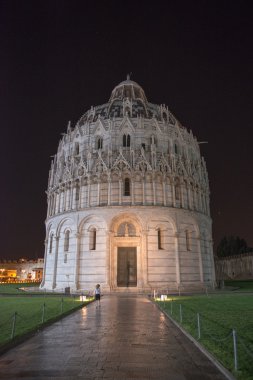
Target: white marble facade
(128, 202)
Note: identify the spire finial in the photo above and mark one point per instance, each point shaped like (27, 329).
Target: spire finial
(128, 76)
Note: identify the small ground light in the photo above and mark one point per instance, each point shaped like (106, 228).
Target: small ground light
(83, 298)
(163, 297)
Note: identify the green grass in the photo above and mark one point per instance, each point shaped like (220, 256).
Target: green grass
(29, 313)
(243, 285)
(219, 315)
(14, 288)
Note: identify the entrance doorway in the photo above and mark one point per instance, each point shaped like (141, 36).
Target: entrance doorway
(127, 267)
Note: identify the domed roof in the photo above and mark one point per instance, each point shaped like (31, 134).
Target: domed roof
(128, 89)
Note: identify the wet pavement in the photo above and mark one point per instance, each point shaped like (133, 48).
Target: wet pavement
(126, 338)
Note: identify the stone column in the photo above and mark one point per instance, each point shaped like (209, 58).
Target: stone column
(98, 193)
(164, 192)
(178, 277)
(200, 259)
(45, 264)
(143, 191)
(77, 261)
(82, 196)
(182, 194)
(154, 190)
(144, 254)
(132, 192)
(120, 191)
(58, 201)
(88, 193)
(71, 195)
(65, 197)
(109, 192)
(57, 238)
(173, 193)
(108, 273)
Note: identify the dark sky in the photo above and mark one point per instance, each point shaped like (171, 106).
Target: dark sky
(57, 58)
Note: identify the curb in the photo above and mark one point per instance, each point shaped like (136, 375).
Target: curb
(217, 364)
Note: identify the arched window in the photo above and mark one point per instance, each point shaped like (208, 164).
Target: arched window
(93, 238)
(177, 192)
(100, 143)
(51, 243)
(160, 238)
(176, 148)
(66, 241)
(77, 193)
(76, 148)
(188, 240)
(127, 187)
(126, 141)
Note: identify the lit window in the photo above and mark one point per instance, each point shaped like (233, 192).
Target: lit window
(127, 187)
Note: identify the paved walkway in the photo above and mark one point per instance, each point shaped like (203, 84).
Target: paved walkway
(126, 338)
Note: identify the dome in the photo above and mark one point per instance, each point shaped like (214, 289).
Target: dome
(128, 89)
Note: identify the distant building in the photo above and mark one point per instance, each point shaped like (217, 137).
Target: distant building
(128, 201)
(21, 270)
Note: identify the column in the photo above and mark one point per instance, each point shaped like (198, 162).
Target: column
(77, 261)
(108, 273)
(144, 255)
(82, 196)
(164, 192)
(120, 191)
(98, 193)
(132, 192)
(154, 191)
(182, 194)
(109, 192)
(173, 193)
(189, 197)
(71, 195)
(88, 194)
(143, 191)
(64, 197)
(45, 264)
(200, 260)
(57, 238)
(177, 259)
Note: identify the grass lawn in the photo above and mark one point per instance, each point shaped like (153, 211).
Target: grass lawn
(218, 316)
(31, 313)
(243, 285)
(14, 288)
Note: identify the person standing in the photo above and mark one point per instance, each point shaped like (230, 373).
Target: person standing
(97, 295)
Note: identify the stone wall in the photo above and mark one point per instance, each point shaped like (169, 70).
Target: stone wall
(234, 267)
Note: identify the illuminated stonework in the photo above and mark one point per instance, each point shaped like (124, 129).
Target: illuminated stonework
(128, 201)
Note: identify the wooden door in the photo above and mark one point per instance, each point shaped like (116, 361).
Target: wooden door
(127, 267)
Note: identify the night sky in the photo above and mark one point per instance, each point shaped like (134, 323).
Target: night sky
(57, 58)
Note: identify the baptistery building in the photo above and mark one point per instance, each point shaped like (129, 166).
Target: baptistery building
(128, 202)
